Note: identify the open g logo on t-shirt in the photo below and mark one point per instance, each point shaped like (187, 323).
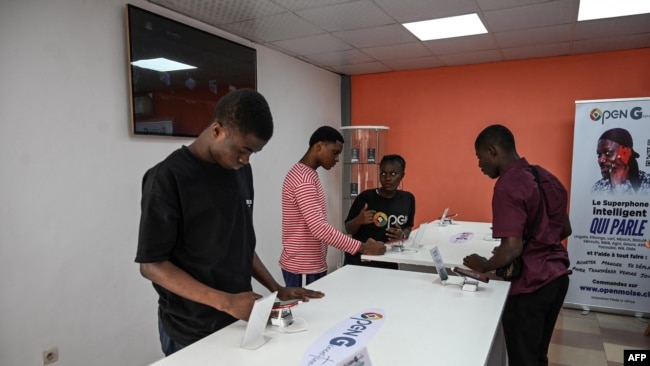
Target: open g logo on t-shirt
(380, 219)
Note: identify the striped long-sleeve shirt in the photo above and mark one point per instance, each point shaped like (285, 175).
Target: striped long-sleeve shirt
(305, 231)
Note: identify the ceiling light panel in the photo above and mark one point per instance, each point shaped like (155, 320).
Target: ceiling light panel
(451, 27)
(600, 9)
(610, 27)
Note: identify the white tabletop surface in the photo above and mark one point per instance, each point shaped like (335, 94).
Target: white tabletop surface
(454, 241)
(426, 322)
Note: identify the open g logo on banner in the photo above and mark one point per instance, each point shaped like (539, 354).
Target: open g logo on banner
(596, 114)
(345, 338)
(634, 113)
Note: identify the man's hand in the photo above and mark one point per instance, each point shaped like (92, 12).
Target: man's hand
(475, 262)
(372, 247)
(241, 304)
(290, 293)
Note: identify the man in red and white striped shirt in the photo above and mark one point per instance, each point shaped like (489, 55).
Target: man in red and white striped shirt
(305, 230)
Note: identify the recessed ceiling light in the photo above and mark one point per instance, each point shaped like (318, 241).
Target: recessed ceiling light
(599, 9)
(458, 26)
(161, 64)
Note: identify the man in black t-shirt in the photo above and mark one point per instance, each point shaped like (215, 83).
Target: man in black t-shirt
(196, 241)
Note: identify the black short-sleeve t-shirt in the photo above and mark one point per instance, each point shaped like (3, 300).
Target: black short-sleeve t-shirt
(399, 209)
(198, 216)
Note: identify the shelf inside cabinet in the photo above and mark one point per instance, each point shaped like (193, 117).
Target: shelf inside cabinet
(363, 149)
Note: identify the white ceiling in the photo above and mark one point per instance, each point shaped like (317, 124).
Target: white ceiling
(365, 36)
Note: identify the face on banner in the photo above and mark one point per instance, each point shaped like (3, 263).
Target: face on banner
(610, 203)
(619, 166)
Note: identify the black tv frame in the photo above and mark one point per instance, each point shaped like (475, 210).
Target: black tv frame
(181, 103)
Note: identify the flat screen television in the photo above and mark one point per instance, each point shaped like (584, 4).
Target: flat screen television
(177, 74)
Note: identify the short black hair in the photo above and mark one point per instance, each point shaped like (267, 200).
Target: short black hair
(325, 134)
(247, 111)
(394, 158)
(496, 135)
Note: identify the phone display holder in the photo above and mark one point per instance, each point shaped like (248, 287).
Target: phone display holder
(470, 278)
(469, 285)
(465, 284)
(282, 317)
(449, 220)
(443, 218)
(397, 246)
(298, 325)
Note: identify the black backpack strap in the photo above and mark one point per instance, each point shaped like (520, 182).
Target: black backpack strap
(542, 199)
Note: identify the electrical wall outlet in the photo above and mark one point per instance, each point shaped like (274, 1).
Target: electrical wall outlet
(50, 356)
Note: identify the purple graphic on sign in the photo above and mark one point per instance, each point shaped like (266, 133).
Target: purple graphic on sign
(461, 237)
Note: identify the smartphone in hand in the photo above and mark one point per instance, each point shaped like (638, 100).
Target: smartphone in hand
(286, 304)
(472, 274)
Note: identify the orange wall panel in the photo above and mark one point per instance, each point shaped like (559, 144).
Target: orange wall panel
(435, 114)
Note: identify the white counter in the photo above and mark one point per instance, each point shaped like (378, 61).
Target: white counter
(426, 323)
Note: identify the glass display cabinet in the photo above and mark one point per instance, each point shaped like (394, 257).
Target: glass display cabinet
(363, 149)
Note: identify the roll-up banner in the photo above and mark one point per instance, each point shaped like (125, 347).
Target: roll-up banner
(610, 206)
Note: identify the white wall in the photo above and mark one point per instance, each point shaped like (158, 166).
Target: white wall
(70, 175)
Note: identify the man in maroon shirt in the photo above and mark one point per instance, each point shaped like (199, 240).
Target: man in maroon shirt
(536, 297)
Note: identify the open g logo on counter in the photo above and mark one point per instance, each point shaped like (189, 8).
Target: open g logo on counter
(372, 316)
(347, 337)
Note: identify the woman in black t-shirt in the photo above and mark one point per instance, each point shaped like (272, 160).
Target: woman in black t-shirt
(385, 213)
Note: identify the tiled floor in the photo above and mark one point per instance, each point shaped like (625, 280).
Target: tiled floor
(595, 339)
